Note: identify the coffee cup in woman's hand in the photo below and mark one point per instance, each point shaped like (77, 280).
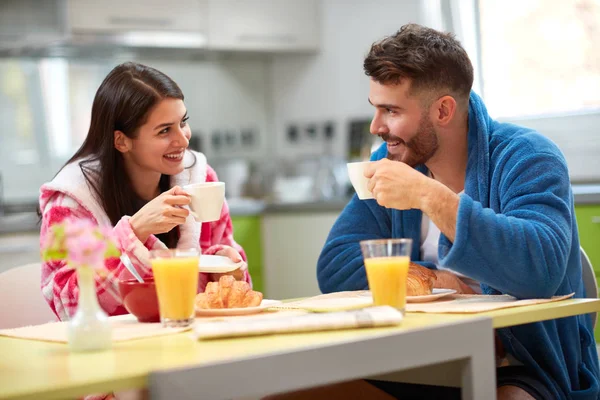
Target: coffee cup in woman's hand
(161, 214)
(206, 200)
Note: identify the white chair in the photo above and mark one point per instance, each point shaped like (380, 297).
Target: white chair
(589, 280)
(21, 299)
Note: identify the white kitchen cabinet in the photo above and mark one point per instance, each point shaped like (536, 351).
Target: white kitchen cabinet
(291, 245)
(264, 25)
(111, 16)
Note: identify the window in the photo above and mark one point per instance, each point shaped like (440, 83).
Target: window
(539, 57)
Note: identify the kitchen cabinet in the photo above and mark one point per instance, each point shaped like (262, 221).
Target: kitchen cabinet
(247, 233)
(292, 243)
(264, 25)
(113, 16)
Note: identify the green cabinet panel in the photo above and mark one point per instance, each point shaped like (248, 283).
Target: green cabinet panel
(588, 224)
(246, 232)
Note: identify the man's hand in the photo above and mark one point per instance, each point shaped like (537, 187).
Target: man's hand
(448, 280)
(396, 185)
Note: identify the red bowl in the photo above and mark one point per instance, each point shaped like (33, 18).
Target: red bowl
(140, 299)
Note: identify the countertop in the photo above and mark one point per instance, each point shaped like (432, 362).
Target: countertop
(586, 194)
(29, 221)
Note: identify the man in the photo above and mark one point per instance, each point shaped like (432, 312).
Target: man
(489, 202)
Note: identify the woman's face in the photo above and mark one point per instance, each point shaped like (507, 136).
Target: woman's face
(160, 144)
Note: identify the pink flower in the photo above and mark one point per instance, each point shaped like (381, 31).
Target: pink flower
(75, 227)
(86, 249)
(81, 242)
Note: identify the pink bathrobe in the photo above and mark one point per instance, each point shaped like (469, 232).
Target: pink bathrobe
(68, 196)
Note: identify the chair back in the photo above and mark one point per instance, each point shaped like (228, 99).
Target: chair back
(21, 299)
(589, 280)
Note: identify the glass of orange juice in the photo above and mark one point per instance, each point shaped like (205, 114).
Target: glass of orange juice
(176, 279)
(386, 263)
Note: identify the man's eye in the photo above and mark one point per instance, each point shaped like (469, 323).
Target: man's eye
(390, 111)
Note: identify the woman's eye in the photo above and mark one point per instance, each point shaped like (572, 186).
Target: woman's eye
(166, 130)
(184, 121)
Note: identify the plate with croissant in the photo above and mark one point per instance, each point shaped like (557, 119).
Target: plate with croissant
(419, 285)
(230, 297)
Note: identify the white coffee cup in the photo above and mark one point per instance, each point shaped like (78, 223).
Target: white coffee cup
(356, 173)
(206, 200)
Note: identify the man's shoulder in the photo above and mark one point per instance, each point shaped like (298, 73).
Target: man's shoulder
(380, 153)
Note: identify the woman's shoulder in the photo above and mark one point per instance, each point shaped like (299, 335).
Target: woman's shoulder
(72, 189)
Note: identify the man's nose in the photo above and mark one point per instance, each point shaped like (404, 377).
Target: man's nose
(377, 126)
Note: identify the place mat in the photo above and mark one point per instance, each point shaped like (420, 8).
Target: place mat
(261, 325)
(338, 301)
(124, 327)
(468, 303)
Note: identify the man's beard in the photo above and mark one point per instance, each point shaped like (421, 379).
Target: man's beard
(420, 148)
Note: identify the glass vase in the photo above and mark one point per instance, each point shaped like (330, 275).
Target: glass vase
(89, 329)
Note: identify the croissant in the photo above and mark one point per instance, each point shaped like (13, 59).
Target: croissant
(228, 293)
(420, 280)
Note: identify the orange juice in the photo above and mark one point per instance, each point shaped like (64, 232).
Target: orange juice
(176, 285)
(387, 280)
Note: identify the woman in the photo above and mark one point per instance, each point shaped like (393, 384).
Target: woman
(128, 173)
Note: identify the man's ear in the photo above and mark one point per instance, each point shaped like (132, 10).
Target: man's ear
(122, 142)
(443, 110)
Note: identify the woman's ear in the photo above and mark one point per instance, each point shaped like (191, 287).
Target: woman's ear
(122, 142)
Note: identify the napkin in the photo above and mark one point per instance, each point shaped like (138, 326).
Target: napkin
(258, 325)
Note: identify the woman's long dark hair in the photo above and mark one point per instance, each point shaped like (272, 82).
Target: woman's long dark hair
(122, 103)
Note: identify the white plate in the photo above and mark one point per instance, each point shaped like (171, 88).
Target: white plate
(217, 264)
(435, 294)
(221, 312)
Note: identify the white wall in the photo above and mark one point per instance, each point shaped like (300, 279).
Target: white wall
(332, 85)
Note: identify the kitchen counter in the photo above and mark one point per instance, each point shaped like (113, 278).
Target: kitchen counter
(586, 194)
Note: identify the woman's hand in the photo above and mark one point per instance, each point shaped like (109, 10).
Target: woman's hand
(161, 214)
(448, 280)
(234, 256)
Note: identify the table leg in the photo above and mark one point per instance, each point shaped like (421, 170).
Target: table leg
(479, 372)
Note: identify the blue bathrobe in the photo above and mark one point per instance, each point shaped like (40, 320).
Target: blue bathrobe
(516, 233)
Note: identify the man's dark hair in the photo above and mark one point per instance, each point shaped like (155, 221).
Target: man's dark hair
(434, 61)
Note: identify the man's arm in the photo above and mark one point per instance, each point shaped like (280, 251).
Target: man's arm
(440, 204)
(522, 249)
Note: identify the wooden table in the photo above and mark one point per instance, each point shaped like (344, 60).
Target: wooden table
(34, 369)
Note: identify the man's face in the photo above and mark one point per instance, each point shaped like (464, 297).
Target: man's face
(403, 123)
